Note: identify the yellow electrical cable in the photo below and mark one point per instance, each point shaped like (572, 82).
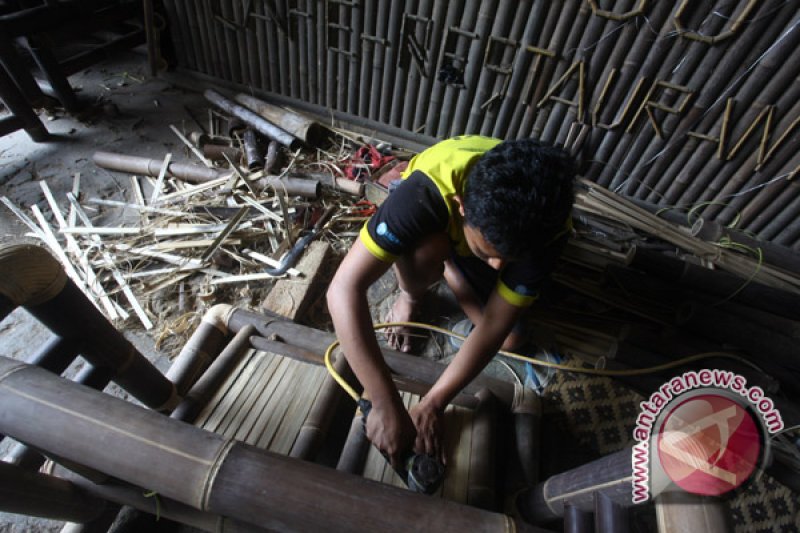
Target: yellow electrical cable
(558, 366)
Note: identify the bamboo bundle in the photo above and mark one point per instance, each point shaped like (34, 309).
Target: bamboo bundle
(600, 200)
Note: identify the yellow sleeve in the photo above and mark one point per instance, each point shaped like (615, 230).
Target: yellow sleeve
(373, 247)
(515, 299)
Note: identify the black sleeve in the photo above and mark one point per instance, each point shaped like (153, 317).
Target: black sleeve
(414, 210)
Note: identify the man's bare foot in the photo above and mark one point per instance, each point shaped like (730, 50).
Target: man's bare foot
(404, 309)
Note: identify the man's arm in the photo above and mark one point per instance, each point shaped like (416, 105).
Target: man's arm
(389, 427)
(491, 329)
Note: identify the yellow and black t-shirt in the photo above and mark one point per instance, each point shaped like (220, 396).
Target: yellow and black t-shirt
(425, 204)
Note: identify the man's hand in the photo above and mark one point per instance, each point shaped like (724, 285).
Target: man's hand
(391, 430)
(428, 421)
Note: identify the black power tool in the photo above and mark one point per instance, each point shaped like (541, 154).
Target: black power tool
(420, 472)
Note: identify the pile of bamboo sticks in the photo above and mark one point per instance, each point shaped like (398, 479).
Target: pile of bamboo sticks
(176, 248)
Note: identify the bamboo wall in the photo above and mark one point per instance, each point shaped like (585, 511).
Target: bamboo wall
(690, 104)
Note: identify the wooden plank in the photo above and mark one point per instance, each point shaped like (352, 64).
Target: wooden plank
(291, 297)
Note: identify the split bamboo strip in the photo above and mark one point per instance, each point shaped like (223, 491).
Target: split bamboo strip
(92, 282)
(109, 263)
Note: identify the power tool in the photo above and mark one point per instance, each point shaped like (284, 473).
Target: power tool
(420, 472)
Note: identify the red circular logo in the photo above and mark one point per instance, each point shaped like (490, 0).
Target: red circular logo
(709, 444)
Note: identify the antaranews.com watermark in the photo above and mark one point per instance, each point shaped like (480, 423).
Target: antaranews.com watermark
(699, 430)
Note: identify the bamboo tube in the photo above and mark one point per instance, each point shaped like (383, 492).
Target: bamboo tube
(769, 202)
(268, 24)
(38, 283)
(609, 516)
(293, 41)
(643, 182)
(398, 111)
(315, 342)
(553, 113)
(354, 72)
(614, 173)
(791, 231)
(564, 18)
(152, 167)
(317, 423)
(35, 494)
(527, 411)
(263, 126)
(610, 475)
(390, 63)
(56, 354)
(177, 33)
(519, 71)
(132, 496)
(355, 449)
(775, 87)
(464, 34)
(483, 26)
(577, 520)
(205, 344)
(22, 114)
(204, 388)
(750, 172)
(422, 30)
(439, 88)
(368, 46)
(640, 64)
(192, 46)
(504, 15)
(308, 130)
(734, 192)
(428, 80)
(210, 472)
(208, 37)
(538, 42)
(682, 512)
(505, 70)
(481, 491)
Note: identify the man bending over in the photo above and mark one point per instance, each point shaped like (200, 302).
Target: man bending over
(492, 218)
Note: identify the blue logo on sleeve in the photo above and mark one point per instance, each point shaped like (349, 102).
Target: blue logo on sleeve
(383, 231)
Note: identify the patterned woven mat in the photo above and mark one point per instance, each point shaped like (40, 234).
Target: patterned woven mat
(599, 415)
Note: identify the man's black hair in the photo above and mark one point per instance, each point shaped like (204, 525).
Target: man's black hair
(519, 195)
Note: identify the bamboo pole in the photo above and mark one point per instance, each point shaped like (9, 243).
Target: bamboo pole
(463, 34)
(418, 74)
(35, 494)
(487, 10)
(485, 80)
(481, 491)
(609, 516)
(639, 65)
(318, 422)
(203, 389)
(428, 80)
(644, 182)
(563, 18)
(355, 449)
(610, 475)
(213, 473)
(42, 288)
(379, 60)
(315, 342)
(534, 22)
(680, 50)
(390, 62)
(553, 113)
(438, 87)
